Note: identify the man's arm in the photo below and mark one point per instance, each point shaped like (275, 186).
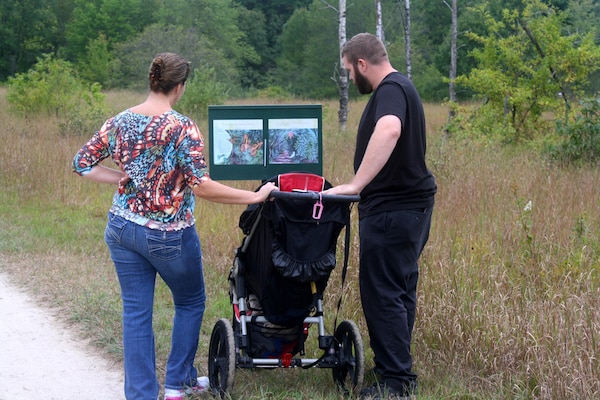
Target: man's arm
(380, 147)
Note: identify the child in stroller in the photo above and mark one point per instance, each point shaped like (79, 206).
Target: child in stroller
(277, 282)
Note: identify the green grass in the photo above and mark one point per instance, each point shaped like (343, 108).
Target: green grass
(507, 298)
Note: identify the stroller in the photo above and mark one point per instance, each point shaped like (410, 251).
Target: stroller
(277, 281)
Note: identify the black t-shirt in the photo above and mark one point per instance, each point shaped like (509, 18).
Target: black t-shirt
(404, 182)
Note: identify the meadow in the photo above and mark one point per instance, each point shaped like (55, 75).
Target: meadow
(509, 288)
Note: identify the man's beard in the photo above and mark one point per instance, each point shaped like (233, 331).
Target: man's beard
(361, 83)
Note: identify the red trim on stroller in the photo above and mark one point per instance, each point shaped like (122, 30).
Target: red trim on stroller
(300, 182)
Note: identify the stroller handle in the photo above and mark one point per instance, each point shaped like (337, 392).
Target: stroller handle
(308, 195)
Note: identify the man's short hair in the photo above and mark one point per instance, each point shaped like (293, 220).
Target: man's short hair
(366, 46)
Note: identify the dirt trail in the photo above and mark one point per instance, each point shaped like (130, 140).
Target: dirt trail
(40, 357)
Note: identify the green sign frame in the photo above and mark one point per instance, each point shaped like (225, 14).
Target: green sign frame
(250, 142)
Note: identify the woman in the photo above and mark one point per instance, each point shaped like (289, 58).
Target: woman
(151, 226)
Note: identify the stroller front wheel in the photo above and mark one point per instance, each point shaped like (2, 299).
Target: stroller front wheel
(350, 373)
(221, 358)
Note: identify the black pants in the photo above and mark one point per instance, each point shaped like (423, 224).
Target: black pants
(390, 246)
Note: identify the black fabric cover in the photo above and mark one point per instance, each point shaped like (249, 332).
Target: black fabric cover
(288, 250)
(303, 270)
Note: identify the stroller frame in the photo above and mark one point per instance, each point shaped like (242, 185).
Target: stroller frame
(230, 341)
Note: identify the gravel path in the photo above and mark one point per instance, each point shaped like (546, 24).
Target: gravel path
(40, 357)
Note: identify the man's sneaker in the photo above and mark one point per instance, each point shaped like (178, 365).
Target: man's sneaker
(202, 385)
(380, 392)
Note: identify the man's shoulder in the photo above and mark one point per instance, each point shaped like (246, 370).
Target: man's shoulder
(398, 79)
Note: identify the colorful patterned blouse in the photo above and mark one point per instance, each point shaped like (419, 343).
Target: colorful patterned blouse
(163, 156)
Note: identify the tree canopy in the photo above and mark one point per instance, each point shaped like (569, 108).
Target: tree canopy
(290, 45)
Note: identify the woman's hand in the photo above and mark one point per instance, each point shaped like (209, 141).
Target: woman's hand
(124, 180)
(265, 191)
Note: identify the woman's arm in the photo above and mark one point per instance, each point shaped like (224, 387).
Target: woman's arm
(102, 174)
(219, 193)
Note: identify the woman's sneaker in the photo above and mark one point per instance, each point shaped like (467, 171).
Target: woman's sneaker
(202, 385)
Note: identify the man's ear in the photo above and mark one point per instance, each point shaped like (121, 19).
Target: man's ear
(362, 65)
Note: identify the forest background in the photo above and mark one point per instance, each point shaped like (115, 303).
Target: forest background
(509, 280)
(283, 46)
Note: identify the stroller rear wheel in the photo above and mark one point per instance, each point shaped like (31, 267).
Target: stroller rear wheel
(221, 358)
(350, 373)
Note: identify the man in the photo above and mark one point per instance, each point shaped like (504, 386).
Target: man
(397, 197)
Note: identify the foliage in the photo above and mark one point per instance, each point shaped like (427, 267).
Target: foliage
(27, 30)
(132, 59)
(262, 23)
(429, 81)
(306, 67)
(52, 87)
(117, 20)
(216, 22)
(292, 44)
(532, 70)
(96, 63)
(581, 138)
(254, 73)
(203, 89)
(477, 123)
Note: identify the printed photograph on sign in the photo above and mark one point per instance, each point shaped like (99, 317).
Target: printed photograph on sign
(293, 141)
(238, 142)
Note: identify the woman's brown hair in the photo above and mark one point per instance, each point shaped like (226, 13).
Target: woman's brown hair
(167, 71)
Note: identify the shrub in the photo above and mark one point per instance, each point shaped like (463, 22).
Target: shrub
(478, 122)
(202, 89)
(53, 87)
(581, 138)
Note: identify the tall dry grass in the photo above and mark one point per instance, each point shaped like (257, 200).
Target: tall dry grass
(509, 287)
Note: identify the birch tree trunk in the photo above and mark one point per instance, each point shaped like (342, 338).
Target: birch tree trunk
(379, 21)
(407, 38)
(453, 57)
(343, 75)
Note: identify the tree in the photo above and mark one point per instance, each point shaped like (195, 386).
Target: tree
(453, 56)
(582, 18)
(96, 64)
(379, 21)
(407, 38)
(27, 29)
(305, 66)
(533, 70)
(254, 72)
(343, 75)
(430, 48)
(264, 32)
(340, 76)
(133, 58)
(116, 20)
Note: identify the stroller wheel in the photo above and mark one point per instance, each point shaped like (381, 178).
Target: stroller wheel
(221, 358)
(350, 373)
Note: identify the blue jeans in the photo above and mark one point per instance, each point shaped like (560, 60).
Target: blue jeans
(139, 253)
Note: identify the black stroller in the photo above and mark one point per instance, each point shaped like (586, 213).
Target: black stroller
(276, 287)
